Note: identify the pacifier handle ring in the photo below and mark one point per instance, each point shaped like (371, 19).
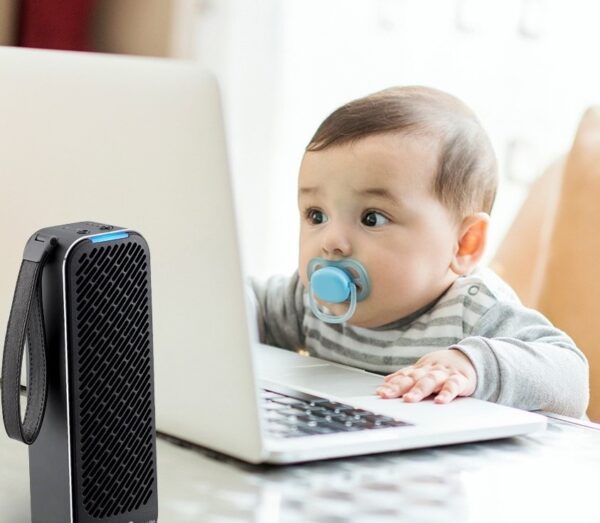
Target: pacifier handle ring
(330, 318)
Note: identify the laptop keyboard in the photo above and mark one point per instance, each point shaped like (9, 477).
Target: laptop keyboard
(290, 417)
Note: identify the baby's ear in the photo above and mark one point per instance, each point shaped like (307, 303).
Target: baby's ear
(471, 242)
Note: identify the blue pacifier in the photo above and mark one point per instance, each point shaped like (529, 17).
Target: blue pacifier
(336, 281)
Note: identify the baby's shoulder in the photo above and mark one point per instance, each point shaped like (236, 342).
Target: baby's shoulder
(483, 285)
(474, 294)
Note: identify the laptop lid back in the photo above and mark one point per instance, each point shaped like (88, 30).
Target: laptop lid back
(139, 142)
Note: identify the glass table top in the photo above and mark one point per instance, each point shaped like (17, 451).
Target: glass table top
(546, 476)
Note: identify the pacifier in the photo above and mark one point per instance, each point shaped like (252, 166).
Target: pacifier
(336, 281)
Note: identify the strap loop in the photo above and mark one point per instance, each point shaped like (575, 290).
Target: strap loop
(26, 323)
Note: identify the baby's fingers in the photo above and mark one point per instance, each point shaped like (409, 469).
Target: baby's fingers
(396, 384)
(429, 383)
(402, 372)
(396, 387)
(454, 386)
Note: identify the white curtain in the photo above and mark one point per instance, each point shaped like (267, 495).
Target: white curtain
(527, 68)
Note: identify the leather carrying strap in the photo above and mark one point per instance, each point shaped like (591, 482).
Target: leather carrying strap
(26, 322)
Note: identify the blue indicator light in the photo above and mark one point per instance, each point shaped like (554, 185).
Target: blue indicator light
(109, 236)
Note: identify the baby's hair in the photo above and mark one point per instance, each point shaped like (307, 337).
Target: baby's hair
(466, 178)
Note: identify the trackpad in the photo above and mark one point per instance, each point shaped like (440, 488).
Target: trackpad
(328, 379)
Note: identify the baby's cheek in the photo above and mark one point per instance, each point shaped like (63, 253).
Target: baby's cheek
(302, 266)
(303, 276)
(389, 284)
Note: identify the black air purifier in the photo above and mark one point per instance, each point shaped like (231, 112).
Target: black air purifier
(82, 311)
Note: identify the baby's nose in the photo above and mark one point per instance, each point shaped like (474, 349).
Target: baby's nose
(336, 243)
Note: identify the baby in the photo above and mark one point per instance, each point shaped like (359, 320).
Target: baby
(395, 191)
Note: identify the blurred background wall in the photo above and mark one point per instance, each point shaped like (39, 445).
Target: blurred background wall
(527, 68)
(8, 22)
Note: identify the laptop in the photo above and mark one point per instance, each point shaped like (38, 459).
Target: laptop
(139, 143)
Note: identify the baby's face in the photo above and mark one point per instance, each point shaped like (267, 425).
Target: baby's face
(373, 201)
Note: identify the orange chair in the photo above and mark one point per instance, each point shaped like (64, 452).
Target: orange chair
(551, 253)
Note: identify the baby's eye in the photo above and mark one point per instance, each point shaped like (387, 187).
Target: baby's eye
(316, 217)
(374, 219)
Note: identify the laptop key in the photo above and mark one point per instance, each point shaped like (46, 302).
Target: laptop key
(285, 400)
(394, 423)
(283, 420)
(291, 411)
(356, 413)
(317, 403)
(325, 415)
(339, 409)
(348, 426)
(339, 427)
(342, 418)
(308, 420)
(314, 410)
(270, 405)
(267, 394)
(320, 429)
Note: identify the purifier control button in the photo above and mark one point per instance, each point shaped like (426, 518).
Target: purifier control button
(106, 227)
(83, 231)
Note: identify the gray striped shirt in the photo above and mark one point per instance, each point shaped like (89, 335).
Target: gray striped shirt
(520, 358)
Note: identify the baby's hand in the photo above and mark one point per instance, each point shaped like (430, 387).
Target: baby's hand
(448, 372)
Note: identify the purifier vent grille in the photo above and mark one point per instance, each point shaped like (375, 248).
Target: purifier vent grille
(114, 378)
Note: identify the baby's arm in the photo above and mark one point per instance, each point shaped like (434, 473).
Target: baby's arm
(279, 311)
(522, 360)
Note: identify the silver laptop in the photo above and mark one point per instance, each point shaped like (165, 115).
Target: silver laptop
(140, 143)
